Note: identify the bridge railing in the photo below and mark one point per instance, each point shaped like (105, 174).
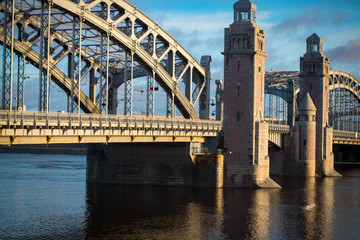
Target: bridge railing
(345, 134)
(279, 128)
(39, 119)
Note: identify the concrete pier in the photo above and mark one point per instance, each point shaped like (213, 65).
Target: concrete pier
(168, 164)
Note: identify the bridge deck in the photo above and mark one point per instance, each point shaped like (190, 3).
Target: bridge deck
(41, 128)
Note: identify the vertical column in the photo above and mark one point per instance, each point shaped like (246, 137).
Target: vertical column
(204, 104)
(8, 56)
(291, 104)
(150, 91)
(44, 47)
(102, 98)
(188, 84)
(129, 85)
(219, 100)
(170, 112)
(101, 73)
(21, 70)
(107, 73)
(128, 95)
(92, 88)
(75, 62)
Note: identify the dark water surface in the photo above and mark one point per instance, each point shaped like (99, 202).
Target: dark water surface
(46, 197)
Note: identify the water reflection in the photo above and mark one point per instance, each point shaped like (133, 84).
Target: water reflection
(303, 209)
(307, 207)
(49, 203)
(129, 212)
(262, 214)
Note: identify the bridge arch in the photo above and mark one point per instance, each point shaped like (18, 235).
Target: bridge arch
(344, 101)
(286, 86)
(128, 28)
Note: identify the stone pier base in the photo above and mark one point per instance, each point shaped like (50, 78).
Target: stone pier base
(326, 164)
(249, 177)
(169, 164)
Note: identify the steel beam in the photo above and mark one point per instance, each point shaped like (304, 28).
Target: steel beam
(8, 53)
(45, 42)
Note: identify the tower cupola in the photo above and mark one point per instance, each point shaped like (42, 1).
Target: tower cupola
(244, 11)
(314, 44)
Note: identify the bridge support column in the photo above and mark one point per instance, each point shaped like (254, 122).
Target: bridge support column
(170, 164)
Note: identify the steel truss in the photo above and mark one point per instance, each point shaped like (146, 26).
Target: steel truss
(106, 43)
(344, 98)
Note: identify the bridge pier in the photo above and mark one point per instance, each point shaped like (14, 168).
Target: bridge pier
(169, 164)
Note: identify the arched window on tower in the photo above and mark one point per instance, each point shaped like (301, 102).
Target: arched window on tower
(245, 43)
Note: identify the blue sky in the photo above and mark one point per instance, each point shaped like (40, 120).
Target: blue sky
(199, 26)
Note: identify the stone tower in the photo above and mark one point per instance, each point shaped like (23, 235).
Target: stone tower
(314, 70)
(307, 137)
(245, 132)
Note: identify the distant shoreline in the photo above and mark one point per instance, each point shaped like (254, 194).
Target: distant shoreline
(61, 149)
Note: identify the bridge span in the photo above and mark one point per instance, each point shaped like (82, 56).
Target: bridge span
(50, 128)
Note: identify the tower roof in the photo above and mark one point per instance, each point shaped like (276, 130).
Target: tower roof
(314, 38)
(306, 103)
(245, 4)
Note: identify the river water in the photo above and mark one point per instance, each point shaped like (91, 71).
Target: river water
(46, 197)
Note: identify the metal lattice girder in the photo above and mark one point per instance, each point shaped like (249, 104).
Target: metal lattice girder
(8, 48)
(204, 106)
(128, 95)
(150, 92)
(21, 71)
(170, 111)
(75, 66)
(45, 42)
